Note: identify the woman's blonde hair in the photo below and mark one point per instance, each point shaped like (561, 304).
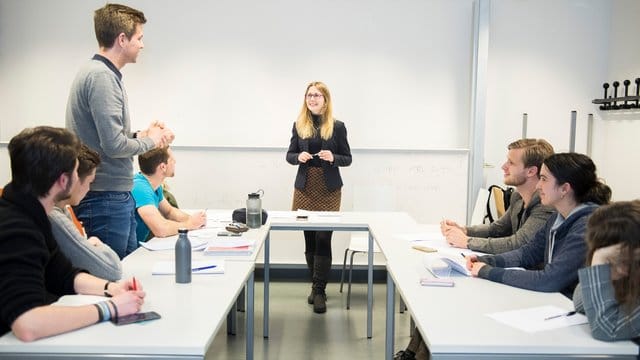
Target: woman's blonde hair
(304, 123)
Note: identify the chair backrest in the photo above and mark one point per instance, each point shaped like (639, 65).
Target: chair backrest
(498, 196)
(498, 202)
(76, 222)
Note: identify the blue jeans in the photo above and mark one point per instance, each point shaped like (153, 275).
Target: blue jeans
(110, 216)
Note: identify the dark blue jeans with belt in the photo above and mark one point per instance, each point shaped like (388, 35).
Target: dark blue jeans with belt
(109, 215)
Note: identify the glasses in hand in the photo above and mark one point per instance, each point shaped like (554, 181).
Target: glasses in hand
(314, 96)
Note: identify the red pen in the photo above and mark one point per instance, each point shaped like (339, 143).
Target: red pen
(135, 285)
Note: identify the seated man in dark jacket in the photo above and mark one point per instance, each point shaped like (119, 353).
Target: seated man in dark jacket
(34, 271)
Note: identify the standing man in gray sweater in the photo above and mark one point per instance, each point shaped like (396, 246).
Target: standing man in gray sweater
(98, 113)
(525, 215)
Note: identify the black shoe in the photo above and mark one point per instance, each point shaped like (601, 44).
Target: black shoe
(404, 355)
(310, 298)
(319, 302)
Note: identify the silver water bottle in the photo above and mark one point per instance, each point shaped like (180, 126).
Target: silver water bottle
(183, 258)
(254, 211)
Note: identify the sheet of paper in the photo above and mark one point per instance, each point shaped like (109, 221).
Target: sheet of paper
(426, 237)
(218, 217)
(532, 320)
(206, 233)
(231, 241)
(198, 266)
(322, 216)
(276, 214)
(79, 300)
(169, 243)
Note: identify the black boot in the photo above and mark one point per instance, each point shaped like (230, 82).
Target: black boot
(321, 268)
(309, 258)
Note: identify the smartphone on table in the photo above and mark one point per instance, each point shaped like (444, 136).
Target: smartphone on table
(134, 318)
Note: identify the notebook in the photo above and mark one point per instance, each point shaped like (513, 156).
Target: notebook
(227, 246)
(442, 264)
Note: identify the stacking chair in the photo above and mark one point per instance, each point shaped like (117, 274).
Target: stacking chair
(359, 244)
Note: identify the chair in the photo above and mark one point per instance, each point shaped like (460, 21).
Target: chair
(359, 244)
(480, 208)
(498, 196)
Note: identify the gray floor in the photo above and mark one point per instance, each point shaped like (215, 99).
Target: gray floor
(297, 333)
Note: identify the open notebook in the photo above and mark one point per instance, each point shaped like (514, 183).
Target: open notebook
(442, 264)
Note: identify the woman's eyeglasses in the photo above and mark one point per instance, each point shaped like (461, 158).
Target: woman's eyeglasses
(314, 96)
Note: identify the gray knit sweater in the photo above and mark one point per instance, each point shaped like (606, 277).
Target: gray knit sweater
(100, 261)
(515, 228)
(98, 113)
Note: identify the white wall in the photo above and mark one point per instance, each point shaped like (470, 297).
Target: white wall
(233, 72)
(616, 149)
(546, 58)
(548, 62)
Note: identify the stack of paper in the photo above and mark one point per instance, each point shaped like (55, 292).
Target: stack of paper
(197, 267)
(225, 246)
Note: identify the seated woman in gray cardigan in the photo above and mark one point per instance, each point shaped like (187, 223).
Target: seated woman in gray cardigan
(89, 254)
(609, 289)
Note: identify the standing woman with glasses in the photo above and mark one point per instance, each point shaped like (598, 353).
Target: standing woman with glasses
(319, 147)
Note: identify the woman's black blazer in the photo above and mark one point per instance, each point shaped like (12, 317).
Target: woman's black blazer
(338, 145)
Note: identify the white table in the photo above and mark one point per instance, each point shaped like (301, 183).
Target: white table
(331, 221)
(454, 324)
(191, 316)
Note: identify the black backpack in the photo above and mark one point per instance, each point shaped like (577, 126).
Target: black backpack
(506, 198)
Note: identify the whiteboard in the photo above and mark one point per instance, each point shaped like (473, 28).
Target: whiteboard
(426, 184)
(233, 72)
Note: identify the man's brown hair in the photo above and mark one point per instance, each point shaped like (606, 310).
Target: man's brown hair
(114, 19)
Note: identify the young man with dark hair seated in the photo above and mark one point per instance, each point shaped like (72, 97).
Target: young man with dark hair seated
(44, 168)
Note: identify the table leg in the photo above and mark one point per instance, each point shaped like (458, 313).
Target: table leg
(249, 313)
(232, 318)
(265, 325)
(370, 289)
(390, 325)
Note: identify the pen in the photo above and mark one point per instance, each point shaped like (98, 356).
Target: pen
(204, 267)
(135, 284)
(560, 315)
(463, 255)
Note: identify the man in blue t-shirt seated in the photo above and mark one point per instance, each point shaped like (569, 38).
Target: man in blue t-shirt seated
(153, 212)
